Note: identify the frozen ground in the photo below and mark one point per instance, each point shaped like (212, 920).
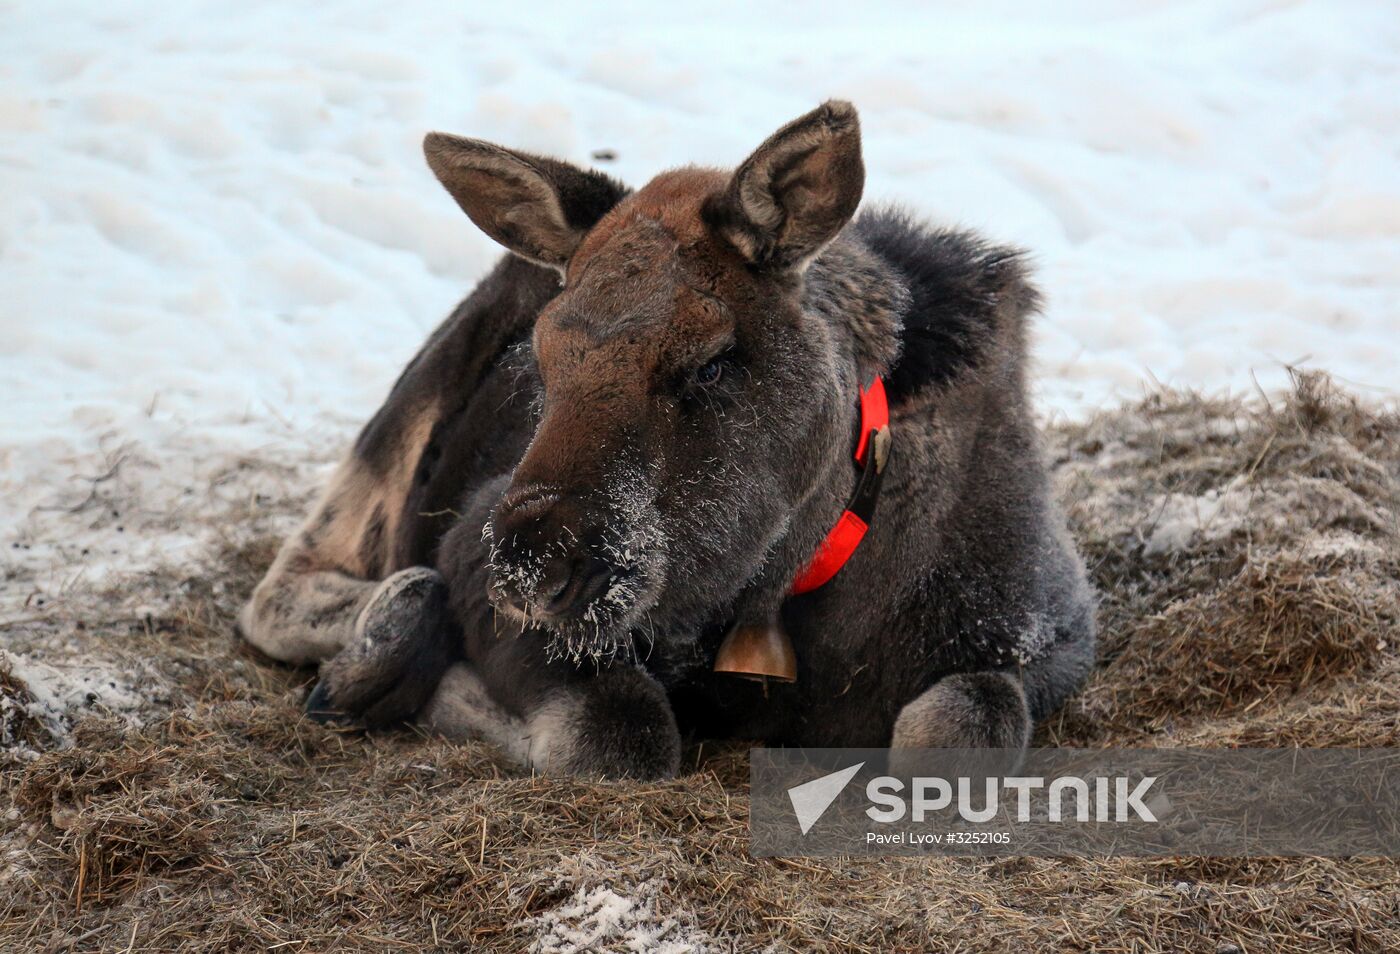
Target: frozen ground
(219, 243)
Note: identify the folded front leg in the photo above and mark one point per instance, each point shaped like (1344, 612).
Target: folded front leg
(403, 642)
(615, 724)
(550, 715)
(977, 710)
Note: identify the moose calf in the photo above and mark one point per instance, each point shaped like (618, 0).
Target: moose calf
(720, 418)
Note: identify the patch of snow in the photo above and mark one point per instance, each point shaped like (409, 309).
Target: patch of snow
(58, 691)
(599, 918)
(73, 579)
(1339, 543)
(219, 222)
(1182, 519)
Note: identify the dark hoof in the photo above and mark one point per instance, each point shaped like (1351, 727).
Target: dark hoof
(320, 708)
(400, 649)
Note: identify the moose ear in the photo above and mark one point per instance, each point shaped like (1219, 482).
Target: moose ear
(538, 208)
(797, 191)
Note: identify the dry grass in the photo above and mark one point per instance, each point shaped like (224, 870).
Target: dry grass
(1249, 560)
(230, 823)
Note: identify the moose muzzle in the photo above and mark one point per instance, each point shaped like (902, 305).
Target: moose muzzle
(548, 556)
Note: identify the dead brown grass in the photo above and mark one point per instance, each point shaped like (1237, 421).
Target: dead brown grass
(230, 823)
(1281, 596)
(1276, 627)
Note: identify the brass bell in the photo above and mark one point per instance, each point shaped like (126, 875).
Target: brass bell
(758, 651)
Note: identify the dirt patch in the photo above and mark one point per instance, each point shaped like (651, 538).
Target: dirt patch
(1247, 556)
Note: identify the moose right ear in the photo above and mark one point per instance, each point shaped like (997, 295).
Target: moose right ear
(538, 208)
(796, 192)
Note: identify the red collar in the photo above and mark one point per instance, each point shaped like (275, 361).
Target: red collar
(872, 453)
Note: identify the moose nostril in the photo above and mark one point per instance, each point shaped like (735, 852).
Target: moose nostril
(585, 582)
(528, 499)
(539, 566)
(554, 592)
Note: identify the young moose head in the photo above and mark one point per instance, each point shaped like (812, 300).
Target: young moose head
(690, 402)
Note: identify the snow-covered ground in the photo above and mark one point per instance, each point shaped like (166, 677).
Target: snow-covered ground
(218, 237)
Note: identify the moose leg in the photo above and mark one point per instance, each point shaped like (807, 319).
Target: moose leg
(997, 710)
(615, 723)
(463, 708)
(383, 643)
(548, 715)
(977, 710)
(403, 642)
(300, 614)
(1061, 670)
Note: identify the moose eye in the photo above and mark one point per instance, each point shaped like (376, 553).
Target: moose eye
(709, 372)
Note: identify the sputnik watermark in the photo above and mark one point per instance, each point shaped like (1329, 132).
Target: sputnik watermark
(934, 795)
(1117, 799)
(810, 800)
(1076, 802)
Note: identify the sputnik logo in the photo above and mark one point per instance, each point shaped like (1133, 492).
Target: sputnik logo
(810, 800)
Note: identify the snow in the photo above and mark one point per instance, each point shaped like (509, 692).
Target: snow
(219, 242)
(55, 692)
(117, 546)
(1181, 520)
(599, 918)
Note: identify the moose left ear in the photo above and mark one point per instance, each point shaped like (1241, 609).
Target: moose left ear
(796, 192)
(538, 208)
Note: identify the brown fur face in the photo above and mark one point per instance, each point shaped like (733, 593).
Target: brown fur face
(690, 402)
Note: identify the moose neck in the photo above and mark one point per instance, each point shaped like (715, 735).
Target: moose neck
(862, 300)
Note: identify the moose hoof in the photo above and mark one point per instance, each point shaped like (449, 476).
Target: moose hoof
(400, 650)
(320, 708)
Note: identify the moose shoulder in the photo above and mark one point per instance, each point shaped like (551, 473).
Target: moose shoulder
(646, 424)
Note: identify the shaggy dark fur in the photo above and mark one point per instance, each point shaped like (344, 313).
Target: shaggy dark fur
(606, 477)
(956, 282)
